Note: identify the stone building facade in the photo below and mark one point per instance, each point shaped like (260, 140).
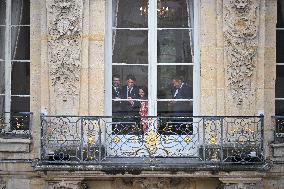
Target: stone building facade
(233, 72)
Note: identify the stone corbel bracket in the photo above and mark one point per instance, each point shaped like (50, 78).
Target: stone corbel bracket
(241, 27)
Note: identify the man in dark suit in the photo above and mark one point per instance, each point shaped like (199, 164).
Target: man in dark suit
(116, 94)
(181, 90)
(130, 91)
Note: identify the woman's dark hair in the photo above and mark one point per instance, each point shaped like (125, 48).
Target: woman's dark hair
(145, 89)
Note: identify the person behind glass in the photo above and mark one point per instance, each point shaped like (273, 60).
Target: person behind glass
(180, 90)
(143, 110)
(130, 91)
(116, 94)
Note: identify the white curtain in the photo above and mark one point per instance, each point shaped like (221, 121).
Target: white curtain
(16, 18)
(190, 11)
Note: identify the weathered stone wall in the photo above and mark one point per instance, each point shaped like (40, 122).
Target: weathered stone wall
(72, 81)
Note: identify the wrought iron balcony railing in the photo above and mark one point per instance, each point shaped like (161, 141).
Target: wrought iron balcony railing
(15, 125)
(278, 122)
(206, 140)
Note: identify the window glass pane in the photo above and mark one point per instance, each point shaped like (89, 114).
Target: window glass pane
(175, 108)
(175, 13)
(130, 13)
(175, 46)
(130, 47)
(2, 104)
(2, 42)
(280, 14)
(175, 82)
(2, 12)
(280, 46)
(20, 78)
(2, 77)
(279, 107)
(20, 104)
(20, 43)
(21, 12)
(133, 81)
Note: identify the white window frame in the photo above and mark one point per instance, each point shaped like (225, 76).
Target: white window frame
(152, 59)
(8, 61)
(278, 64)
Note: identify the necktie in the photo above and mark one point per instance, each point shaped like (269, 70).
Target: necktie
(129, 93)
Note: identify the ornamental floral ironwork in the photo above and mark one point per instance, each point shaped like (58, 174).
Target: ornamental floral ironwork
(103, 140)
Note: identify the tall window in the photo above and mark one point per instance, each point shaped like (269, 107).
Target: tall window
(279, 87)
(153, 49)
(14, 56)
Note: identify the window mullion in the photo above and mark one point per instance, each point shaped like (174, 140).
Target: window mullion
(152, 52)
(8, 63)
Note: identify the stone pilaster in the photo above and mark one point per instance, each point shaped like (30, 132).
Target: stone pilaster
(64, 49)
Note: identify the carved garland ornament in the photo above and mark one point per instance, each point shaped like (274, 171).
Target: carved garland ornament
(241, 42)
(64, 45)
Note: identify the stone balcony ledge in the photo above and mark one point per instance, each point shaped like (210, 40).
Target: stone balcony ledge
(14, 145)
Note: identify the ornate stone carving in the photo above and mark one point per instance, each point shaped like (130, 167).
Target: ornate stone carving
(2, 184)
(239, 186)
(241, 183)
(68, 185)
(152, 183)
(64, 22)
(241, 26)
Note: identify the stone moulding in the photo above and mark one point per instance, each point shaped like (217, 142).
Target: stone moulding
(64, 26)
(241, 27)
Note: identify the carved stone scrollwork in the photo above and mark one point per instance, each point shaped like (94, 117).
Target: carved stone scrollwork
(68, 185)
(239, 186)
(237, 183)
(64, 23)
(2, 184)
(241, 27)
(153, 183)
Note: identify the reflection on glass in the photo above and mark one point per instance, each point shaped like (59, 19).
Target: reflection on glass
(20, 43)
(280, 46)
(280, 14)
(175, 108)
(127, 13)
(2, 104)
(175, 46)
(21, 12)
(2, 12)
(20, 104)
(279, 85)
(175, 14)
(2, 77)
(20, 78)
(2, 42)
(279, 107)
(130, 47)
(178, 120)
(167, 82)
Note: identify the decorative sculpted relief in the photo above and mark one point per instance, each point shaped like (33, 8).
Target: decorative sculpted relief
(68, 185)
(241, 22)
(153, 183)
(240, 186)
(64, 22)
(2, 184)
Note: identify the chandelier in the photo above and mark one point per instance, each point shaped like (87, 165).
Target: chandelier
(162, 11)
